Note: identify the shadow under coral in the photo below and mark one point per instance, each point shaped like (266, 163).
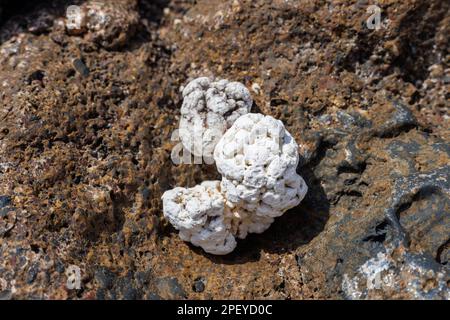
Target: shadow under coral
(297, 227)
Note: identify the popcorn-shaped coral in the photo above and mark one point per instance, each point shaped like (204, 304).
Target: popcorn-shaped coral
(198, 213)
(202, 218)
(209, 108)
(257, 158)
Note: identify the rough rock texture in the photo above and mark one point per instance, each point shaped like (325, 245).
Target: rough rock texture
(85, 149)
(109, 23)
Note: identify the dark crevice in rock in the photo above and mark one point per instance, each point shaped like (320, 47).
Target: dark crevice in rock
(320, 152)
(380, 233)
(407, 189)
(359, 168)
(401, 121)
(443, 253)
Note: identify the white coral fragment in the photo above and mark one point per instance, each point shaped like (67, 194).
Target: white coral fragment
(198, 214)
(257, 158)
(209, 108)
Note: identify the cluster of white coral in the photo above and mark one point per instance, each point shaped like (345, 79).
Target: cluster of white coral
(198, 213)
(209, 108)
(257, 158)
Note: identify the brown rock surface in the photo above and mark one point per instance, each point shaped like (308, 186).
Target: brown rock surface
(85, 127)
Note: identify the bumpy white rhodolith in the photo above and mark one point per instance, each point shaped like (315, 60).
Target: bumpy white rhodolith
(209, 109)
(202, 218)
(198, 213)
(257, 158)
